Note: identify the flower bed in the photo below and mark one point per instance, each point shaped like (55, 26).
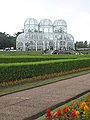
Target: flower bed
(77, 110)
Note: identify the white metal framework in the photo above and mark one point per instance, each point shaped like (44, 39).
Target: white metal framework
(44, 35)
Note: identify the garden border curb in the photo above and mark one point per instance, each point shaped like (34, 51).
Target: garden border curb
(34, 117)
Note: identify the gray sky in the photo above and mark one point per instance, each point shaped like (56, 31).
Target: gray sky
(76, 13)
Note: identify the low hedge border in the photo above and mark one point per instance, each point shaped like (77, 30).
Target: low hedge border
(41, 77)
(23, 59)
(13, 71)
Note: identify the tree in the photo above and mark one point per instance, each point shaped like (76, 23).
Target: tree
(7, 41)
(81, 44)
(85, 44)
(18, 33)
(89, 45)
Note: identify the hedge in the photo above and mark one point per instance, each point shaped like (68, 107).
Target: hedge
(13, 71)
(10, 59)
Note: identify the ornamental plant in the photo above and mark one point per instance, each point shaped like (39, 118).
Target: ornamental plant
(45, 76)
(48, 115)
(77, 110)
(16, 71)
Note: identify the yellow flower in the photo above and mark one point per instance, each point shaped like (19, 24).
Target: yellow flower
(82, 105)
(86, 109)
(77, 101)
(77, 113)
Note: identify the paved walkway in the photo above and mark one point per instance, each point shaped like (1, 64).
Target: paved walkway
(23, 104)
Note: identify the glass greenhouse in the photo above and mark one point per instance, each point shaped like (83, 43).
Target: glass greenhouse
(44, 35)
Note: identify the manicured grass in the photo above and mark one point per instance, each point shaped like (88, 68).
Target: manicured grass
(38, 53)
(22, 59)
(38, 83)
(17, 53)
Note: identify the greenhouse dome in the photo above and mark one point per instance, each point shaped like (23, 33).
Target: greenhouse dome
(44, 35)
(30, 25)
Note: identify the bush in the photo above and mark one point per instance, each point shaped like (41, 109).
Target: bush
(18, 59)
(13, 71)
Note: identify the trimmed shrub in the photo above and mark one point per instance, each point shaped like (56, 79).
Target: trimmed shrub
(13, 71)
(17, 59)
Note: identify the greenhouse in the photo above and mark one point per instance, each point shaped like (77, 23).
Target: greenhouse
(44, 35)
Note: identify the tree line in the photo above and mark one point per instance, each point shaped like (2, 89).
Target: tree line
(82, 44)
(8, 41)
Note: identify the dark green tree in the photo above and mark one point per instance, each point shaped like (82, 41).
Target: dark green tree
(81, 44)
(85, 44)
(7, 40)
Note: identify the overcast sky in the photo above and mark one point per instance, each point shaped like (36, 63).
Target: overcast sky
(76, 13)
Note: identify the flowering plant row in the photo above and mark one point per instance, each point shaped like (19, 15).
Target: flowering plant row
(77, 110)
(46, 76)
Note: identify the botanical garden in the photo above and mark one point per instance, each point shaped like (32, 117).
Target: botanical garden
(45, 60)
(27, 70)
(46, 77)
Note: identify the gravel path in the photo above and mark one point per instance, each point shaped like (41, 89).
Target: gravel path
(23, 104)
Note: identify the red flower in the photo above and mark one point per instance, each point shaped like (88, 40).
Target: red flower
(81, 100)
(88, 100)
(69, 107)
(59, 114)
(48, 115)
(65, 109)
(78, 106)
(73, 115)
